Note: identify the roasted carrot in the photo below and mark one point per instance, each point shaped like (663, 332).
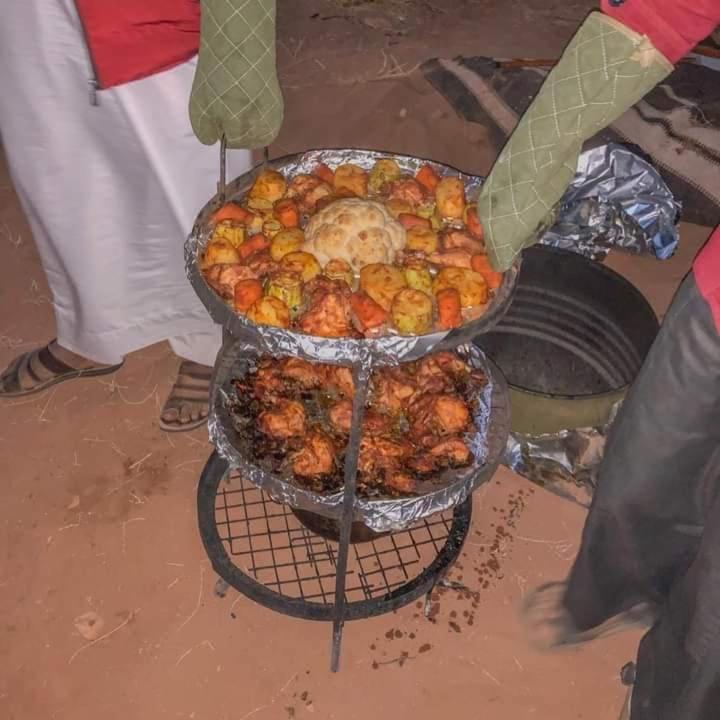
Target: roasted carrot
(481, 264)
(367, 312)
(287, 213)
(322, 171)
(428, 178)
(232, 211)
(251, 245)
(449, 308)
(472, 222)
(407, 220)
(247, 292)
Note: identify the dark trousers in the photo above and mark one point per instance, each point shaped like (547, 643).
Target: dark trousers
(653, 531)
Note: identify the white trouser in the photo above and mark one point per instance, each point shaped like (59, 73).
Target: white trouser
(110, 191)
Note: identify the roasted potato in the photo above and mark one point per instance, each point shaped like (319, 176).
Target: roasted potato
(303, 263)
(383, 171)
(450, 198)
(271, 228)
(230, 230)
(422, 240)
(286, 241)
(220, 252)
(382, 283)
(417, 276)
(426, 209)
(269, 185)
(471, 285)
(339, 270)
(262, 207)
(286, 286)
(412, 312)
(269, 311)
(352, 178)
(398, 207)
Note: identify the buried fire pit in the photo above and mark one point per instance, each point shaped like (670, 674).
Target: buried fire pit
(570, 345)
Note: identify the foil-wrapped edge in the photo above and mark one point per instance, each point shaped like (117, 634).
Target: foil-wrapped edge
(565, 463)
(492, 420)
(387, 350)
(616, 200)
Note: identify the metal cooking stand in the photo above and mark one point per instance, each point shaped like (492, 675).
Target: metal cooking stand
(362, 370)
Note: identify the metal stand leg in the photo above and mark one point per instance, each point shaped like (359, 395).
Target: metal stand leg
(361, 376)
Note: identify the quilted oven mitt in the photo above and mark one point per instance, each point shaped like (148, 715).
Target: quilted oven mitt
(235, 90)
(604, 70)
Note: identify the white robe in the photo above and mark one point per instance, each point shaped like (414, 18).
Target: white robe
(110, 191)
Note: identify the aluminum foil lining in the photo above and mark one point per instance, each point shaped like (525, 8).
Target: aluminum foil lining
(617, 200)
(486, 444)
(565, 463)
(387, 350)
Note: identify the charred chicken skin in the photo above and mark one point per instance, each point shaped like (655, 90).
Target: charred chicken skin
(434, 416)
(284, 420)
(451, 452)
(379, 453)
(316, 457)
(327, 316)
(339, 379)
(413, 427)
(440, 373)
(393, 391)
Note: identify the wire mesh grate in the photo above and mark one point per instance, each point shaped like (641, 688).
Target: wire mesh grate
(265, 540)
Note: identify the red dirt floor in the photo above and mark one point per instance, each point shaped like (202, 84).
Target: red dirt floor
(107, 599)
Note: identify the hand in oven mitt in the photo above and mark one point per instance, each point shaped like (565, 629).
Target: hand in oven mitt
(235, 90)
(605, 69)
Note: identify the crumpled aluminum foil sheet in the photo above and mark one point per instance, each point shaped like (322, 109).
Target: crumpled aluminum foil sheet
(618, 200)
(387, 350)
(565, 463)
(379, 515)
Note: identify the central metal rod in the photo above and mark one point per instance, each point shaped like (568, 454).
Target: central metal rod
(223, 171)
(361, 377)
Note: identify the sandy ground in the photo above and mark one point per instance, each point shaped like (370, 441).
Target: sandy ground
(106, 596)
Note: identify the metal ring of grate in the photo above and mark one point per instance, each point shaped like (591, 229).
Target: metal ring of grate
(260, 548)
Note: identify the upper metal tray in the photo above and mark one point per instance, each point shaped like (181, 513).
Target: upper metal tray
(386, 350)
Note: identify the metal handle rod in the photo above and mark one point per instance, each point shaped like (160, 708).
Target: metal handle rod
(223, 168)
(361, 377)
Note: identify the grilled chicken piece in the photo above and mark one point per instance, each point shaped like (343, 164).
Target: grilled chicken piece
(401, 482)
(340, 380)
(316, 457)
(451, 258)
(223, 278)
(440, 372)
(433, 416)
(340, 415)
(393, 390)
(461, 240)
(449, 452)
(406, 189)
(378, 453)
(285, 419)
(327, 316)
(305, 374)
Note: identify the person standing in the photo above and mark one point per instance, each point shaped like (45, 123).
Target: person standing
(95, 127)
(650, 550)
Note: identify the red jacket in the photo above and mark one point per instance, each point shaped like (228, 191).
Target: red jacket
(131, 39)
(675, 27)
